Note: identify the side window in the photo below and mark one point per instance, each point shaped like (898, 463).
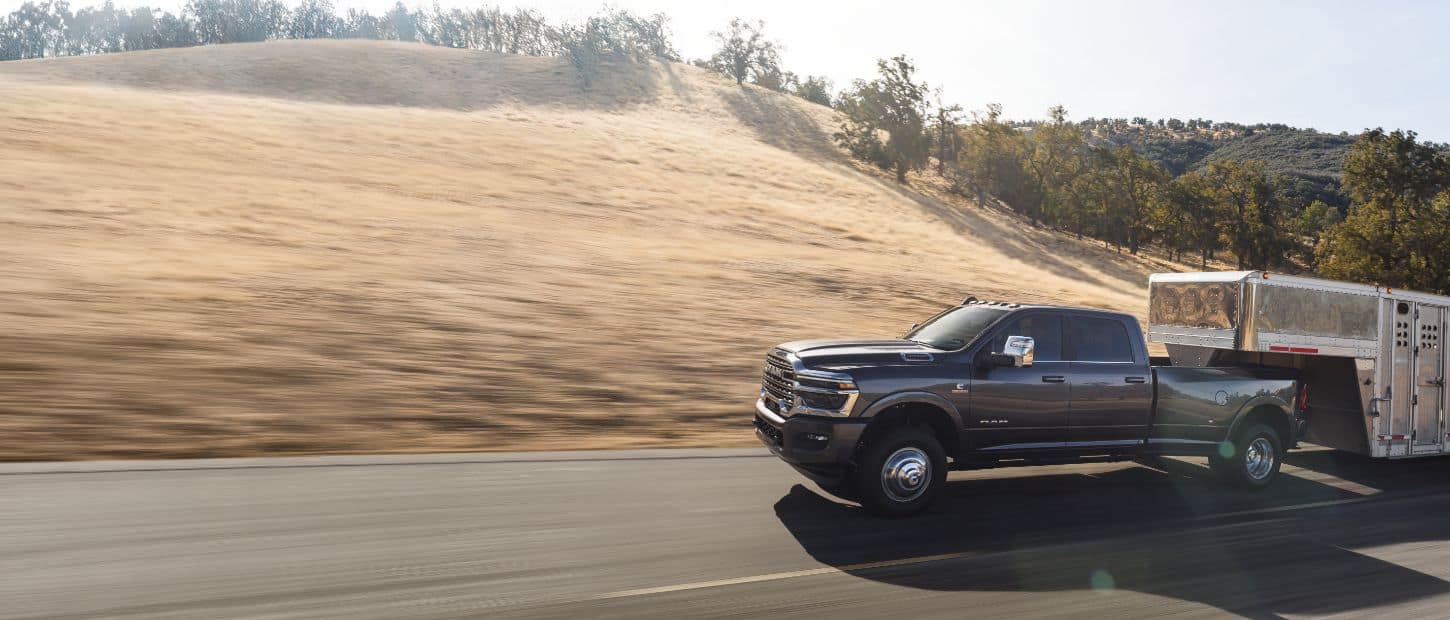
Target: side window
(1100, 340)
(1045, 329)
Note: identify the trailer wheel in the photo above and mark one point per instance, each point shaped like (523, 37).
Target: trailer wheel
(901, 472)
(1256, 453)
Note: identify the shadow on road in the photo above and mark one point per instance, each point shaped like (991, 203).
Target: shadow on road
(1171, 531)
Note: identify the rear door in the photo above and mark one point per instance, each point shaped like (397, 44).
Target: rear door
(1112, 390)
(1427, 402)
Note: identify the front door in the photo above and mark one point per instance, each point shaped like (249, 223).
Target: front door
(1021, 408)
(1427, 405)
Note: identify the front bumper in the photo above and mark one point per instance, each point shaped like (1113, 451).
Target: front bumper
(821, 448)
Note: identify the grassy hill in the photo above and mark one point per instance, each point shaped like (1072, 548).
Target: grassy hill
(1312, 160)
(348, 246)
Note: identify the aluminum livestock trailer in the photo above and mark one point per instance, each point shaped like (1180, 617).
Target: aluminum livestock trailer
(1370, 356)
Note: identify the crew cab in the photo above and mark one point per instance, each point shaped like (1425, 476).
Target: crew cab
(992, 384)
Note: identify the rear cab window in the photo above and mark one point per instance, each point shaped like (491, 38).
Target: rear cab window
(1095, 339)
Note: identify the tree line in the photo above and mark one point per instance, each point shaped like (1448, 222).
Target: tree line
(51, 28)
(1394, 229)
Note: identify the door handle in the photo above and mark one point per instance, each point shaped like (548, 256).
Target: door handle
(1053, 379)
(1135, 379)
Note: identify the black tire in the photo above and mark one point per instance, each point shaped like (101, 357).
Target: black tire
(1256, 454)
(889, 480)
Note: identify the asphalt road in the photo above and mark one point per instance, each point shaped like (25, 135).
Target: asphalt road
(712, 534)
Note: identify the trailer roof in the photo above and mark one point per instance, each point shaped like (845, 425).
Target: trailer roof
(1299, 281)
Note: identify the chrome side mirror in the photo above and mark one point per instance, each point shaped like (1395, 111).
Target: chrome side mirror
(1018, 350)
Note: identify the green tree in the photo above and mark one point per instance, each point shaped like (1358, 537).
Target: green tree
(1255, 217)
(1134, 183)
(238, 21)
(1054, 160)
(944, 133)
(1189, 202)
(1172, 220)
(1317, 218)
(815, 89)
(359, 24)
(1391, 179)
(402, 22)
(992, 155)
(315, 19)
(745, 53)
(893, 104)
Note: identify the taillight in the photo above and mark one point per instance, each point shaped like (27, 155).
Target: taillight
(1303, 404)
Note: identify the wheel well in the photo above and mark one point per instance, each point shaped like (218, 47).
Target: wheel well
(1274, 418)
(914, 414)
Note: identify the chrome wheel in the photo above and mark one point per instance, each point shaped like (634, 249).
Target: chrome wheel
(1259, 458)
(906, 474)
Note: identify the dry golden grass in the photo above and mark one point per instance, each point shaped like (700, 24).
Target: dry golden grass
(321, 247)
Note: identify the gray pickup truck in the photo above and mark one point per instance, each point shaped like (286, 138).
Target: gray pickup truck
(988, 384)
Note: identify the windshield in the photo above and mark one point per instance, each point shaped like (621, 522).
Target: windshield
(955, 328)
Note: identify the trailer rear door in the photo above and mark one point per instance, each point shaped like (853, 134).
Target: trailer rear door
(1428, 403)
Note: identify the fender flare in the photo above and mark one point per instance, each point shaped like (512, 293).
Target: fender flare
(1278, 404)
(915, 396)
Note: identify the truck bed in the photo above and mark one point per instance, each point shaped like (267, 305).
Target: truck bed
(1198, 405)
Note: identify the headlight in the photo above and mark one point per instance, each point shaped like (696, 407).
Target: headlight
(827, 384)
(825, 393)
(817, 400)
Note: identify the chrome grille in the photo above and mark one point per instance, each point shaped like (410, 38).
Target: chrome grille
(778, 382)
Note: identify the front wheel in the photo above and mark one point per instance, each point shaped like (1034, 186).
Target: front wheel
(901, 472)
(1251, 459)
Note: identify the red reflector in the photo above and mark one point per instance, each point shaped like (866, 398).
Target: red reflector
(1279, 347)
(1392, 437)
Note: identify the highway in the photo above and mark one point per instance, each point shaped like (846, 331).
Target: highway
(711, 533)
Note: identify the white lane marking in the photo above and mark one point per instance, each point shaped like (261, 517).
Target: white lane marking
(1274, 509)
(825, 570)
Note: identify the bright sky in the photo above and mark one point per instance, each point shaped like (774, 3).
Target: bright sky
(1329, 64)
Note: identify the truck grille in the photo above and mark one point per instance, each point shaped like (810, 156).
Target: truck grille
(769, 431)
(778, 383)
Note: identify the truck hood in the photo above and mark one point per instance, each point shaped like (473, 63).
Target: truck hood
(841, 354)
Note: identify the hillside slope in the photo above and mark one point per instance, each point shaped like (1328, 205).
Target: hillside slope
(1312, 162)
(346, 246)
